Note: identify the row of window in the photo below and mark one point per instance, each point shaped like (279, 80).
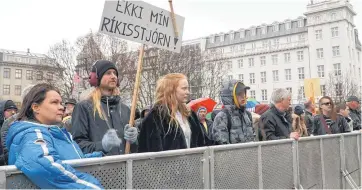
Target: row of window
(319, 33)
(288, 74)
(335, 52)
(29, 74)
(6, 89)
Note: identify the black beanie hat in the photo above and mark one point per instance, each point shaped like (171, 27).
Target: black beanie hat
(9, 105)
(298, 110)
(101, 67)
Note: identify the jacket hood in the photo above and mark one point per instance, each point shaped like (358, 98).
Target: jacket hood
(230, 89)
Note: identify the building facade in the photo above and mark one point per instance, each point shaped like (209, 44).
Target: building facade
(321, 44)
(19, 70)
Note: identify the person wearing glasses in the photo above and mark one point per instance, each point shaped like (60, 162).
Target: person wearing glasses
(328, 121)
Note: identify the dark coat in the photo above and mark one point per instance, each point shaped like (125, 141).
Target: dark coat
(309, 122)
(208, 134)
(338, 126)
(4, 132)
(157, 135)
(356, 118)
(275, 125)
(88, 129)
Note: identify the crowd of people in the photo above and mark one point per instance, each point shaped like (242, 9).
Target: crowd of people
(43, 132)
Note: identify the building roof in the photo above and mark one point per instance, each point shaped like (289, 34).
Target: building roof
(23, 53)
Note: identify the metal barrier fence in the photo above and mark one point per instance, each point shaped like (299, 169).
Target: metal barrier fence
(323, 162)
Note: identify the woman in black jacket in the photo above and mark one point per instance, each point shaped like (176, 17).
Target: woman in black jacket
(328, 122)
(170, 125)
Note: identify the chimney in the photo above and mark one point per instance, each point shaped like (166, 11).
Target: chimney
(28, 50)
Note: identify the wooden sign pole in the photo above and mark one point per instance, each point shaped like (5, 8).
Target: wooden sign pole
(173, 19)
(135, 93)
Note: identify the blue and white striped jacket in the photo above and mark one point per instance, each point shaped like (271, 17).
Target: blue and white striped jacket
(38, 150)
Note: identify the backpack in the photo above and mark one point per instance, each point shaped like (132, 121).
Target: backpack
(229, 118)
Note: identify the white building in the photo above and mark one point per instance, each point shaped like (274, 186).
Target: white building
(283, 54)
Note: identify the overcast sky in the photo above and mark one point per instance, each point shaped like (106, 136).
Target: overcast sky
(37, 24)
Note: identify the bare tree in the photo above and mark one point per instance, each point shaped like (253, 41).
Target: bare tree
(341, 85)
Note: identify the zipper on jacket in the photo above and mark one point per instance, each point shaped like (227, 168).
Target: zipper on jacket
(71, 142)
(108, 107)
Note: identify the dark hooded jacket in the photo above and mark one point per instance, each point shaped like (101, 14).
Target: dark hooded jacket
(88, 128)
(232, 125)
(276, 124)
(158, 134)
(338, 126)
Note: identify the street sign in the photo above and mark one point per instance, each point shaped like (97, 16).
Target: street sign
(142, 22)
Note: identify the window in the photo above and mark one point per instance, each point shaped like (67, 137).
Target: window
(338, 88)
(253, 45)
(275, 75)
(263, 30)
(337, 69)
(253, 32)
(290, 90)
(320, 53)
(6, 89)
(301, 73)
(289, 39)
(263, 77)
(335, 50)
(275, 27)
(241, 77)
(29, 75)
(252, 94)
(333, 16)
(318, 34)
(264, 95)
(212, 39)
(265, 44)
(334, 31)
(300, 23)
(230, 65)
(240, 63)
(275, 59)
(7, 73)
(276, 42)
(222, 37)
(251, 62)
(301, 92)
(288, 74)
(252, 78)
(300, 55)
(39, 75)
(230, 77)
(49, 76)
(320, 71)
(287, 25)
(301, 37)
(323, 90)
(287, 57)
(262, 61)
(232, 34)
(242, 47)
(17, 90)
(18, 73)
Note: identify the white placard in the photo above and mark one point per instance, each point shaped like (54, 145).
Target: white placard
(141, 22)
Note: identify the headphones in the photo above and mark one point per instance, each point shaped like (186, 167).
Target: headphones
(93, 77)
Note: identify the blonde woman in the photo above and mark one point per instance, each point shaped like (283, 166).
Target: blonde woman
(298, 123)
(100, 122)
(170, 124)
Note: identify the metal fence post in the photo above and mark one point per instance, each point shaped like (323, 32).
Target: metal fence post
(360, 157)
(129, 175)
(212, 168)
(343, 160)
(206, 169)
(295, 164)
(322, 164)
(2, 180)
(260, 168)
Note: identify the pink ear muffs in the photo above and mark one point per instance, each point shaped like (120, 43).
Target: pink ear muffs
(93, 79)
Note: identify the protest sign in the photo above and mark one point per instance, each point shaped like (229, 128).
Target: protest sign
(312, 87)
(142, 22)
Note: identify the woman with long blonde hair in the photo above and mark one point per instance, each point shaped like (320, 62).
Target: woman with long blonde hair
(170, 124)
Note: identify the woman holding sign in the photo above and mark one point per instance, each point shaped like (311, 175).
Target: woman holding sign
(170, 125)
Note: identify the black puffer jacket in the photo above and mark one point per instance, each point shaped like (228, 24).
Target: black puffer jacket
(88, 129)
(275, 124)
(338, 126)
(309, 121)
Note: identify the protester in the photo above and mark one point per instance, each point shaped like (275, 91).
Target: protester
(328, 122)
(233, 124)
(298, 123)
(353, 104)
(343, 110)
(67, 118)
(309, 108)
(6, 125)
(102, 119)
(37, 146)
(170, 124)
(143, 114)
(7, 109)
(206, 125)
(260, 109)
(277, 122)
